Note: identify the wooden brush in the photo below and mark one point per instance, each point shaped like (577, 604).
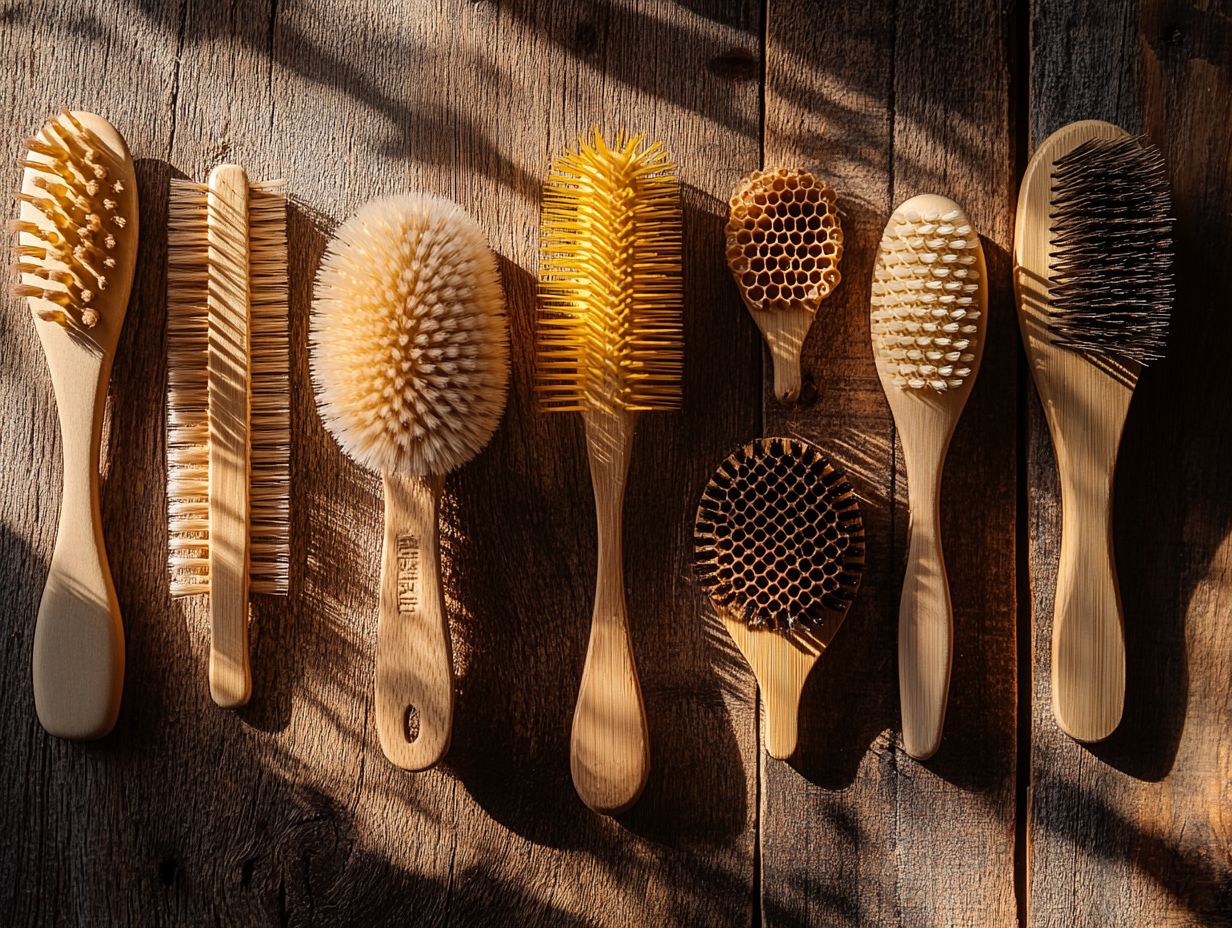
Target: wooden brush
(1093, 277)
(228, 407)
(75, 250)
(410, 361)
(929, 310)
(784, 244)
(780, 549)
(609, 346)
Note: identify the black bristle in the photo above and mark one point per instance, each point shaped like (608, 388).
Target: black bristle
(1111, 282)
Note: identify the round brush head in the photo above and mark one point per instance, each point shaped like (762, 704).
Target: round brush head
(778, 539)
(409, 351)
(927, 296)
(784, 240)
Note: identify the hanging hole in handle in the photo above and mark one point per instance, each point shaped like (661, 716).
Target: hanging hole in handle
(410, 725)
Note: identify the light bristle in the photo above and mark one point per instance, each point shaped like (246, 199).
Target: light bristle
(784, 239)
(65, 252)
(188, 274)
(926, 299)
(778, 538)
(610, 321)
(409, 343)
(1111, 282)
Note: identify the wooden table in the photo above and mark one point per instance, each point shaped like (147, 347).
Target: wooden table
(287, 813)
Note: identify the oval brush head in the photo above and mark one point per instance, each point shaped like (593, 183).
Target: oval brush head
(779, 540)
(926, 297)
(610, 327)
(408, 342)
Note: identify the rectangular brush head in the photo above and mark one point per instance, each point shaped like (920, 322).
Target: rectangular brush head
(610, 328)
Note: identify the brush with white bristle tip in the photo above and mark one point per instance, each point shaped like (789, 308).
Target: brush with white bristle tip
(410, 363)
(929, 313)
(76, 249)
(1094, 282)
(228, 419)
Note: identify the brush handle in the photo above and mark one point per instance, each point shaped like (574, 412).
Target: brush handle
(230, 401)
(610, 746)
(925, 617)
(78, 662)
(784, 330)
(414, 660)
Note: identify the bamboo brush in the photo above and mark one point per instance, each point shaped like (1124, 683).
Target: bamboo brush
(228, 415)
(929, 311)
(779, 545)
(610, 346)
(1093, 277)
(410, 361)
(784, 245)
(76, 247)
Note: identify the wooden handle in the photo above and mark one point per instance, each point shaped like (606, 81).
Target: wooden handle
(229, 412)
(780, 693)
(78, 637)
(925, 617)
(610, 745)
(784, 330)
(414, 660)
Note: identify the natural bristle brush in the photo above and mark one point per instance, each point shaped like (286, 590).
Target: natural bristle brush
(228, 408)
(1094, 281)
(929, 311)
(609, 346)
(76, 247)
(779, 547)
(410, 361)
(784, 244)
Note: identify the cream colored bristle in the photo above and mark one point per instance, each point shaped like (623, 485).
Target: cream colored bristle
(188, 276)
(610, 326)
(409, 344)
(925, 300)
(70, 220)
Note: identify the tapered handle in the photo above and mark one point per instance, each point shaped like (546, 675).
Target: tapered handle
(1088, 644)
(78, 665)
(925, 616)
(610, 745)
(414, 660)
(780, 694)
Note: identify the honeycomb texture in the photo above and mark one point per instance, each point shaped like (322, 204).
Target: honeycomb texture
(778, 537)
(79, 205)
(925, 300)
(784, 239)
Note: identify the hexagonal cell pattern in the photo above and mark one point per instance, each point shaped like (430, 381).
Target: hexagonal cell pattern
(924, 300)
(784, 239)
(778, 537)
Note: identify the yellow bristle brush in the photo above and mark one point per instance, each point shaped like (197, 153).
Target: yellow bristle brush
(228, 407)
(410, 361)
(75, 250)
(610, 345)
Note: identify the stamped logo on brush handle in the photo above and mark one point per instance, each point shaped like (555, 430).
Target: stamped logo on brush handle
(408, 574)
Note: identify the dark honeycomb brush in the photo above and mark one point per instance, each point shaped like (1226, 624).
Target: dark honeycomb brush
(779, 545)
(1094, 281)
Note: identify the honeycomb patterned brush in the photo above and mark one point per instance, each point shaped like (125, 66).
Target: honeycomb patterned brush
(779, 546)
(929, 306)
(784, 245)
(76, 248)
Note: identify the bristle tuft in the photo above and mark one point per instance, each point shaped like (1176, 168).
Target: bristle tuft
(610, 325)
(1111, 285)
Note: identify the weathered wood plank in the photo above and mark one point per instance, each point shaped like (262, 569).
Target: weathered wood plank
(1137, 830)
(286, 812)
(888, 101)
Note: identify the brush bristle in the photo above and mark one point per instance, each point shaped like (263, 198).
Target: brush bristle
(778, 538)
(409, 344)
(925, 299)
(610, 323)
(269, 432)
(784, 239)
(1111, 284)
(67, 255)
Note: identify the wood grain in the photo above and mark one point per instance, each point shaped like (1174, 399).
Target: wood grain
(1137, 829)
